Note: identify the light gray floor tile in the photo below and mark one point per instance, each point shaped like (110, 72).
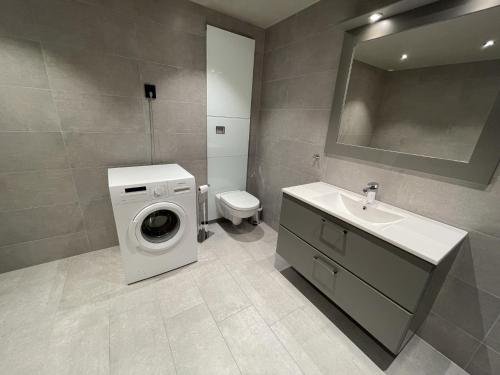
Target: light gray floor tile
(230, 252)
(219, 290)
(33, 299)
(93, 277)
(133, 297)
(79, 343)
(270, 298)
(306, 340)
(255, 347)
(24, 350)
(177, 293)
(197, 344)
(138, 342)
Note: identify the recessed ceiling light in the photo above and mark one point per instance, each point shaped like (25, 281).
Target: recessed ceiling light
(375, 17)
(404, 56)
(488, 43)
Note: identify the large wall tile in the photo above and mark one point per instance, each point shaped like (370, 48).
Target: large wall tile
(91, 184)
(178, 84)
(24, 108)
(281, 34)
(307, 125)
(174, 147)
(159, 43)
(100, 224)
(478, 263)
(179, 117)
(277, 64)
(79, 71)
(22, 25)
(37, 223)
(79, 24)
(106, 149)
(100, 113)
(470, 309)
(275, 94)
(22, 190)
(22, 151)
(314, 90)
(315, 53)
(22, 63)
(40, 251)
(174, 14)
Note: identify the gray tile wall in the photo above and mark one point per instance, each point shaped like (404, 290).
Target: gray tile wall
(71, 105)
(465, 321)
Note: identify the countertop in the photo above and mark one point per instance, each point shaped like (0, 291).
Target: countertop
(425, 238)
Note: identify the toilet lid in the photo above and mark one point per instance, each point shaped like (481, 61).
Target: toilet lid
(240, 200)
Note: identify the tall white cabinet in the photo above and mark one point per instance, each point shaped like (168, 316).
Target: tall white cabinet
(230, 60)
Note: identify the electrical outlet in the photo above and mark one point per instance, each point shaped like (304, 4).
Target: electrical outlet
(150, 91)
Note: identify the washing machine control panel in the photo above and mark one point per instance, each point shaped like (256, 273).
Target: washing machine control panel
(152, 191)
(160, 191)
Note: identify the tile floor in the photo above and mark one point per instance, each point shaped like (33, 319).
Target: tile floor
(230, 313)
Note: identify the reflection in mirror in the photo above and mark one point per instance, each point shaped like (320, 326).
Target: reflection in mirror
(425, 91)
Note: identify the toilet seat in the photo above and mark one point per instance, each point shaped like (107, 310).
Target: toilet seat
(240, 200)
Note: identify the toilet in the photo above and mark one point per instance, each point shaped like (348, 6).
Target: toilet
(236, 205)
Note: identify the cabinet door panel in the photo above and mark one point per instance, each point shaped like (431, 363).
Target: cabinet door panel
(380, 316)
(392, 271)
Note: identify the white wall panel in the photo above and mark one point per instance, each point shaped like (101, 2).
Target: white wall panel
(230, 59)
(234, 141)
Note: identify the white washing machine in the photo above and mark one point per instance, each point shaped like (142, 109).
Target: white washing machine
(155, 214)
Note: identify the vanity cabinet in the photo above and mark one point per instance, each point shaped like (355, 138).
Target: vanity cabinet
(387, 290)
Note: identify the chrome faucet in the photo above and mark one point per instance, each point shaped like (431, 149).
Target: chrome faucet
(370, 191)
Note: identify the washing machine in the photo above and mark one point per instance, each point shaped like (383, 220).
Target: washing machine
(155, 213)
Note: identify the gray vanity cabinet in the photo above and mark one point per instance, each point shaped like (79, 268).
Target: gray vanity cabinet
(385, 289)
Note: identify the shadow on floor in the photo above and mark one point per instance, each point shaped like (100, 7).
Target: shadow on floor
(372, 349)
(245, 232)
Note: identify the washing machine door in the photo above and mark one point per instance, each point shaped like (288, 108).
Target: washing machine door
(158, 227)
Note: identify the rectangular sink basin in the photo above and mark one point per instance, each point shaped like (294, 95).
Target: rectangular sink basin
(425, 238)
(371, 214)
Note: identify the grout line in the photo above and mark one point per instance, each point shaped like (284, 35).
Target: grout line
(301, 75)
(216, 323)
(483, 343)
(41, 239)
(260, 315)
(157, 302)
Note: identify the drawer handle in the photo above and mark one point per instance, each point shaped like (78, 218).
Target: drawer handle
(324, 221)
(327, 265)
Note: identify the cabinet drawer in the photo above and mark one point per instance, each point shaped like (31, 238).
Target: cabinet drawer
(394, 272)
(384, 319)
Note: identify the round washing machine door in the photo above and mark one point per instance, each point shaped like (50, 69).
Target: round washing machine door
(158, 227)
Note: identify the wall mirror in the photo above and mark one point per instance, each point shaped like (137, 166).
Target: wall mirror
(422, 91)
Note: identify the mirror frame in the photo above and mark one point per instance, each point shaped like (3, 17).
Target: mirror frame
(486, 155)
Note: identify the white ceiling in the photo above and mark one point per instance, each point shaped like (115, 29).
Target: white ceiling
(263, 13)
(451, 42)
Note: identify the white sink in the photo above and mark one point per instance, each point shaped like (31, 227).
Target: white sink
(372, 213)
(426, 238)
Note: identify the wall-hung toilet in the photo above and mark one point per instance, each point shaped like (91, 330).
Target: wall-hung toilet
(236, 205)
